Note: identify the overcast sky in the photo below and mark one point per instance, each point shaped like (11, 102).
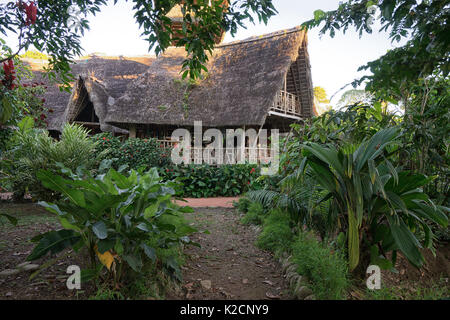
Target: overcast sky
(334, 61)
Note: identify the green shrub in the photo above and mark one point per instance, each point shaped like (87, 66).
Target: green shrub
(276, 235)
(255, 214)
(33, 149)
(243, 204)
(5, 136)
(199, 181)
(438, 290)
(121, 219)
(326, 269)
(133, 152)
(205, 181)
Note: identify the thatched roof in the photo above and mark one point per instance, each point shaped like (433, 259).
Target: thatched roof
(106, 78)
(243, 79)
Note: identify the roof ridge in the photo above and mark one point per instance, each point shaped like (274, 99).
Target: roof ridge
(262, 37)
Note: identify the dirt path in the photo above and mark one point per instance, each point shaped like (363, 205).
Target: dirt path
(228, 265)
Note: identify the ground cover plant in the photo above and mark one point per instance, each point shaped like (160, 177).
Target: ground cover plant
(120, 219)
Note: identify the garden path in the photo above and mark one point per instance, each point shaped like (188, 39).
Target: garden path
(228, 265)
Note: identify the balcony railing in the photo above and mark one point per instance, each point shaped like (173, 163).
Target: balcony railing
(286, 103)
(257, 155)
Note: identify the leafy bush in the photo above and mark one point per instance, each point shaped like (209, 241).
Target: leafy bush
(380, 204)
(204, 181)
(243, 204)
(117, 218)
(134, 152)
(33, 149)
(325, 269)
(5, 135)
(199, 181)
(276, 235)
(255, 214)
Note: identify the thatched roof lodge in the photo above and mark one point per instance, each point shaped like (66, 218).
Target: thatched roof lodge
(99, 79)
(259, 82)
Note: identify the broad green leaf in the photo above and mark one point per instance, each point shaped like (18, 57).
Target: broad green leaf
(54, 242)
(149, 252)
(67, 225)
(105, 245)
(53, 208)
(57, 183)
(406, 242)
(134, 262)
(100, 230)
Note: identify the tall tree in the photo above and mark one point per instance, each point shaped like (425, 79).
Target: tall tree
(56, 27)
(425, 23)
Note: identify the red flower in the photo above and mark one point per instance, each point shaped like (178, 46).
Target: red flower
(104, 138)
(248, 182)
(43, 116)
(8, 68)
(31, 12)
(253, 170)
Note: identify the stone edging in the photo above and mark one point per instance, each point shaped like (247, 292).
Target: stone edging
(297, 283)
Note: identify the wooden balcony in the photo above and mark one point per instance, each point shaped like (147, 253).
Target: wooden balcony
(286, 105)
(258, 155)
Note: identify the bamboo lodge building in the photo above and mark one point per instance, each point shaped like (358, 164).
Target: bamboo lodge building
(260, 82)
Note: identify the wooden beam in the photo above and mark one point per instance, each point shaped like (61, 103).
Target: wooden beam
(132, 131)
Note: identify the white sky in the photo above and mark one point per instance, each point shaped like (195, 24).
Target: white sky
(334, 61)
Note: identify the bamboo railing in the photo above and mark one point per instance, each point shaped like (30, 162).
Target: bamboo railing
(287, 103)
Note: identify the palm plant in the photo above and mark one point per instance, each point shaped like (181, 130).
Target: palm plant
(33, 150)
(373, 201)
(300, 197)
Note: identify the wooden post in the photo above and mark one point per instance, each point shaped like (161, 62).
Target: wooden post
(132, 131)
(285, 93)
(243, 145)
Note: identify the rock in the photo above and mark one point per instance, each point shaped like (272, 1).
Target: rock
(30, 267)
(272, 296)
(303, 292)
(244, 281)
(290, 275)
(8, 294)
(9, 272)
(293, 280)
(299, 284)
(292, 268)
(206, 284)
(20, 266)
(189, 296)
(311, 297)
(286, 263)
